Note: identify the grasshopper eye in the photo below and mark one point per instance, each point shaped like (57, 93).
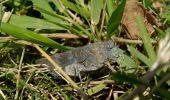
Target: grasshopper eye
(109, 45)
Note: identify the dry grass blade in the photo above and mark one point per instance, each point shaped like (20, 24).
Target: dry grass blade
(62, 35)
(2, 94)
(18, 76)
(3, 1)
(164, 50)
(129, 41)
(52, 35)
(6, 16)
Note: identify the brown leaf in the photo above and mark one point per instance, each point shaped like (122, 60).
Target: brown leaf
(134, 8)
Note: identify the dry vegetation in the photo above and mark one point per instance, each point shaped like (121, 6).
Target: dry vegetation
(32, 29)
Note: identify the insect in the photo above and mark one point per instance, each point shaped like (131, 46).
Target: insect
(84, 59)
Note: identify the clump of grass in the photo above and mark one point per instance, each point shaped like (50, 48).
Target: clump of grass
(80, 21)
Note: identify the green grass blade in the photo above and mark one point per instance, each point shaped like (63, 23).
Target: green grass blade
(76, 8)
(30, 36)
(140, 56)
(165, 16)
(58, 5)
(75, 28)
(125, 60)
(55, 84)
(44, 5)
(147, 3)
(163, 92)
(160, 32)
(1, 12)
(96, 10)
(110, 4)
(31, 22)
(115, 18)
(55, 17)
(1, 15)
(96, 89)
(61, 20)
(122, 77)
(145, 38)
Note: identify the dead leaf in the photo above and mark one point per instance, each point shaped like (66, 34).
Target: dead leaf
(134, 8)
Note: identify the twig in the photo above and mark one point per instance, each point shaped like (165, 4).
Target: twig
(53, 35)
(61, 72)
(74, 17)
(110, 94)
(122, 40)
(73, 36)
(18, 76)
(71, 14)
